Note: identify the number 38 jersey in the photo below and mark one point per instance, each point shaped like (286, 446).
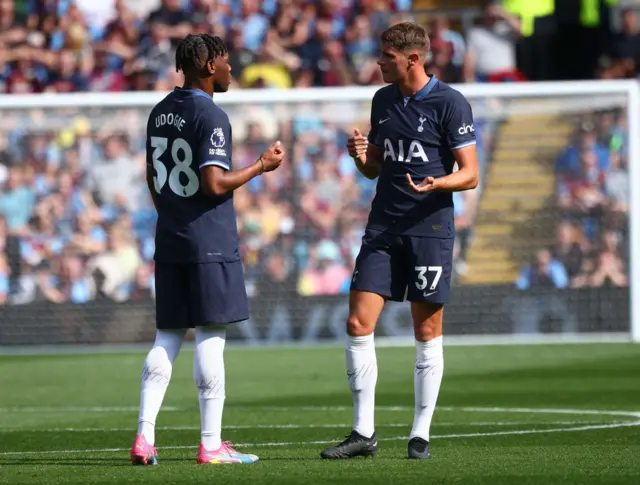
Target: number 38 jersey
(186, 131)
(417, 136)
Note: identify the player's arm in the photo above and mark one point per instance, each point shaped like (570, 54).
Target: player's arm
(460, 136)
(367, 157)
(217, 179)
(151, 185)
(468, 174)
(216, 176)
(367, 152)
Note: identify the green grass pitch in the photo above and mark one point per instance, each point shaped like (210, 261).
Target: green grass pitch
(540, 414)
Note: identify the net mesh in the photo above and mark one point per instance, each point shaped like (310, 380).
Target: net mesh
(541, 246)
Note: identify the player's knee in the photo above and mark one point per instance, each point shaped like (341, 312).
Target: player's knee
(428, 330)
(356, 327)
(427, 320)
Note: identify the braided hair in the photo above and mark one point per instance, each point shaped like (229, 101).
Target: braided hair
(195, 51)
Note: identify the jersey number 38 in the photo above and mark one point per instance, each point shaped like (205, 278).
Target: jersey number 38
(182, 156)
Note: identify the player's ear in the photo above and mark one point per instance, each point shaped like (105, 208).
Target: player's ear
(414, 59)
(211, 66)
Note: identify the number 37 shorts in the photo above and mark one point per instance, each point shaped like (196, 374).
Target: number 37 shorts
(399, 267)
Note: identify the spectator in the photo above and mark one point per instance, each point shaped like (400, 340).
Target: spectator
(278, 277)
(67, 76)
(143, 285)
(491, 52)
(239, 56)
(89, 238)
(253, 23)
(583, 196)
(115, 269)
(617, 185)
(570, 248)
(544, 272)
(97, 14)
(70, 284)
(448, 50)
(5, 278)
(569, 161)
(362, 48)
(609, 268)
(267, 72)
(326, 272)
(142, 8)
(463, 216)
(115, 180)
(174, 18)
(16, 201)
(10, 249)
(625, 45)
(156, 55)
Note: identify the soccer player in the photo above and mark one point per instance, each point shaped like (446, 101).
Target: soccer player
(420, 128)
(198, 272)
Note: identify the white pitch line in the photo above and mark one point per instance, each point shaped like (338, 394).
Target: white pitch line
(306, 443)
(468, 409)
(576, 412)
(82, 409)
(296, 426)
(231, 408)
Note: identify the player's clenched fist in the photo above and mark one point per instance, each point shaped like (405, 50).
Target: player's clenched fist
(272, 157)
(357, 144)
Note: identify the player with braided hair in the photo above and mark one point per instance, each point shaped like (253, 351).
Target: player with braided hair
(199, 280)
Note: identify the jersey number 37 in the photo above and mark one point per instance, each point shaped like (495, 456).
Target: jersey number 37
(182, 156)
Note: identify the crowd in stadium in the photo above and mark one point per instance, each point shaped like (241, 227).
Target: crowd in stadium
(591, 247)
(76, 221)
(118, 45)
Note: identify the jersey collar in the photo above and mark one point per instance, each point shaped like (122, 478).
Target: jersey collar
(420, 95)
(194, 92)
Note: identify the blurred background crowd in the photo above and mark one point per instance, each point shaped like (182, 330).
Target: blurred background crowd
(76, 222)
(591, 247)
(117, 45)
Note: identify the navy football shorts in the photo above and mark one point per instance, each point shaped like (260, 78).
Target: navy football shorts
(198, 294)
(399, 267)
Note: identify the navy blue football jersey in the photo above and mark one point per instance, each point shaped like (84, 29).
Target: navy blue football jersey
(185, 132)
(417, 135)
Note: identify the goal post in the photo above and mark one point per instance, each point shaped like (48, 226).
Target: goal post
(299, 239)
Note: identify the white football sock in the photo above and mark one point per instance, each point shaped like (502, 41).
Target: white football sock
(426, 383)
(362, 372)
(208, 373)
(156, 374)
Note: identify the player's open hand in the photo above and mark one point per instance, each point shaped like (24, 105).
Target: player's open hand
(427, 185)
(357, 144)
(272, 157)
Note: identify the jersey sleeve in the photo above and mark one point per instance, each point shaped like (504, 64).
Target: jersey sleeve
(213, 139)
(373, 133)
(458, 122)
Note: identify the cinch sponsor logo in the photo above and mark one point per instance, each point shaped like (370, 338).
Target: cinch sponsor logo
(465, 128)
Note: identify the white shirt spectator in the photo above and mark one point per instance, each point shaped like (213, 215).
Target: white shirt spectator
(492, 49)
(97, 13)
(142, 8)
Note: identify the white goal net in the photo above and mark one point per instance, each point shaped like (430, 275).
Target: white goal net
(543, 246)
